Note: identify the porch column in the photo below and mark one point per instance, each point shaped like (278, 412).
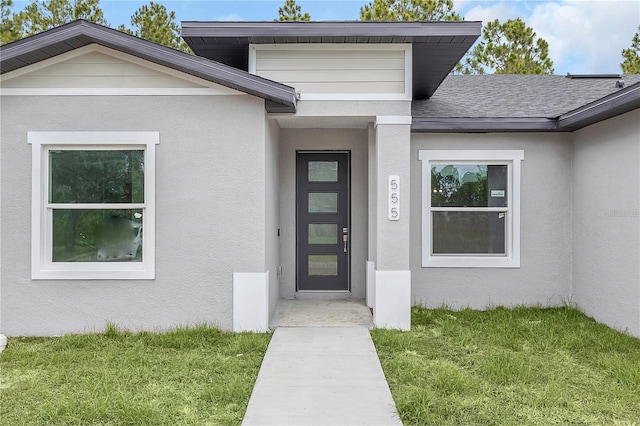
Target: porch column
(392, 299)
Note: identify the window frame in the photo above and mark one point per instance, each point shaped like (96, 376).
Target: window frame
(42, 265)
(511, 158)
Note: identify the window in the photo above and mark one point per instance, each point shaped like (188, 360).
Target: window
(471, 208)
(93, 205)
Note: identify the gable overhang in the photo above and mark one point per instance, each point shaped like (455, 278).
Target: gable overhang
(623, 101)
(436, 46)
(31, 50)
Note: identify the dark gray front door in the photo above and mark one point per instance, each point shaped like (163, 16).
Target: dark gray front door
(322, 221)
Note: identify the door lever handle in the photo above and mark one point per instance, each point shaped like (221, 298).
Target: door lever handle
(345, 238)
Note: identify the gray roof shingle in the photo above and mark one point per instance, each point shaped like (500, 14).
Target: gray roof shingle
(515, 96)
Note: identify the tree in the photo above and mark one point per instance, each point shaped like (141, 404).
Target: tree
(631, 63)
(154, 23)
(409, 10)
(9, 31)
(290, 11)
(508, 48)
(42, 15)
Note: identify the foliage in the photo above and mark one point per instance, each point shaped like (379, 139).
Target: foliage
(631, 63)
(520, 366)
(448, 189)
(9, 28)
(154, 23)
(189, 376)
(508, 48)
(290, 11)
(409, 10)
(42, 15)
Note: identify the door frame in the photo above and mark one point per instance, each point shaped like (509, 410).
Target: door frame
(348, 215)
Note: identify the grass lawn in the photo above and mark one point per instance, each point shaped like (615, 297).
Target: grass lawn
(522, 366)
(196, 376)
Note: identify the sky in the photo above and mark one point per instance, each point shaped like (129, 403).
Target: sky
(584, 36)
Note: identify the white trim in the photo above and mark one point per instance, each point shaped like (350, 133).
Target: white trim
(251, 301)
(392, 305)
(208, 87)
(392, 119)
(41, 265)
(408, 64)
(147, 91)
(513, 159)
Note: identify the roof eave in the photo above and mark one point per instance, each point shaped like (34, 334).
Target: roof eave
(225, 29)
(81, 33)
(481, 125)
(615, 104)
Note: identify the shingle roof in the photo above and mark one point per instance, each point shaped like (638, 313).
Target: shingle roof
(30, 50)
(515, 96)
(529, 103)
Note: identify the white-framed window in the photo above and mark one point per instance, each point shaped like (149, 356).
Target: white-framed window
(93, 205)
(471, 208)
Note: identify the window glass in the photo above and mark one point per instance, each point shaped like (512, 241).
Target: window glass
(110, 176)
(469, 232)
(97, 235)
(469, 185)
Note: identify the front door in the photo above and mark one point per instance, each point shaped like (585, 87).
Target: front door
(322, 221)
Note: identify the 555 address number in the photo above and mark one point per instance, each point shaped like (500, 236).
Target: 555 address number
(394, 197)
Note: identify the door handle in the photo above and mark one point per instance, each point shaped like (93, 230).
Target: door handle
(345, 238)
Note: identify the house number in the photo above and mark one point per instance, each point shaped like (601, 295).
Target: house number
(394, 197)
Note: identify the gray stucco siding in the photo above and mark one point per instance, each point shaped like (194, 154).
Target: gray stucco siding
(544, 276)
(209, 217)
(606, 222)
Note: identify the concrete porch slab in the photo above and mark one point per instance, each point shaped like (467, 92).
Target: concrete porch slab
(321, 313)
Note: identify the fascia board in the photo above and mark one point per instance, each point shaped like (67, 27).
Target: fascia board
(481, 125)
(329, 29)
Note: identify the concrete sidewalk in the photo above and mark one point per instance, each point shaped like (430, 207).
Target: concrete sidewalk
(321, 376)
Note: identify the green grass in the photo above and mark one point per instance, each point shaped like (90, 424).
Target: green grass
(522, 366)
(195, 376)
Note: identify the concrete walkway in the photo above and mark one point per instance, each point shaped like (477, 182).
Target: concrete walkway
(321, 376)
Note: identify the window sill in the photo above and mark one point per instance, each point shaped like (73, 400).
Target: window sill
(470, 262)
(95, 274)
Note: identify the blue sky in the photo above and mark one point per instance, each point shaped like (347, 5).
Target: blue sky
(585, 36)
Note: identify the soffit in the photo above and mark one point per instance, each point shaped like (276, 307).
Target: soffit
(437, 46)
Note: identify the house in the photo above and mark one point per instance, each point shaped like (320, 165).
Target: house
(150, 188)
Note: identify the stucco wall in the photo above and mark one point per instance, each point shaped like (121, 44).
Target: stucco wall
(354, 140)
(545, 273)
(209, 217)
(606, 223)
(272, 210)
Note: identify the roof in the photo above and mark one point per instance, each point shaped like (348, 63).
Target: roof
(524, 102)
(30, 50)
(436, 46)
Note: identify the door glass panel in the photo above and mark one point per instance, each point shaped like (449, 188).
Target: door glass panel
(323, 202)
(323, 233)
(323, 171)
(323, 264)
